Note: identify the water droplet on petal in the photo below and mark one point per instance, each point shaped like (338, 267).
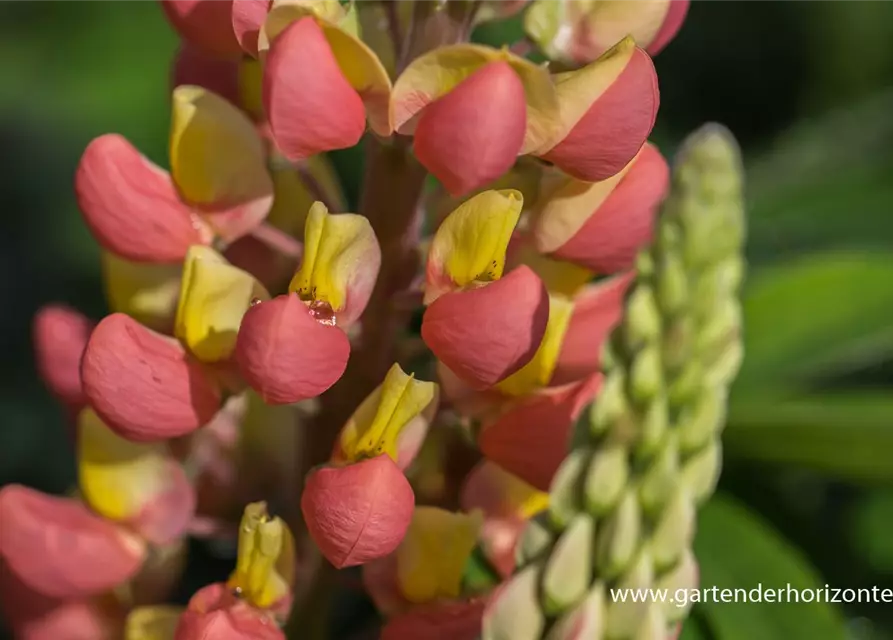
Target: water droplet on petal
(255, 301)
(323, 313)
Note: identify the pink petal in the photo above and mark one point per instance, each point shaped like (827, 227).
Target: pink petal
(359, 512)
(205, 23)
(166, 518)
(310, 105)
(611, 237)
(616, 126)
(214, 612)
(285, 354)
(131, 206)
(531, 439)
(144, 385)
(452, 620)
(380, 582)
(672, 23)
(57, 547)
(486, 334)
(60, 336)
(472, 135)
(193, 66)
(248, 17)
(597, 310)
(499, 541)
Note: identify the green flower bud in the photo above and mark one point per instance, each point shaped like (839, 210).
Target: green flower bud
(646, 375)
(618, 538)
(672, 285)
(700, 472)
(687, 384)
(683, 575)
(678, 344)
(624, 619)
(675, 529)
(535, 541)
(660, 477)
(606, 478)
(611, 405)
(586, 620)
(643, 322)
(654, 626)
(568, 572)
(653, 425)
(566, 492)
(700, 421)
(515, 613)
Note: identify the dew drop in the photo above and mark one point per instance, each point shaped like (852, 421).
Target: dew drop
(323, 313)
(255, 301)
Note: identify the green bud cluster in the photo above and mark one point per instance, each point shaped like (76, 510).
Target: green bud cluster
(647, 454)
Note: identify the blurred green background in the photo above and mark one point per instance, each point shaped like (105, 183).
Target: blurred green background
(807, 87)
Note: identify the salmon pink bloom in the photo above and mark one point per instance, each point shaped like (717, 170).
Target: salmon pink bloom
(216, 612)
(607, 111)
(457, 620)
(531, 438)
(140, 485)
(359, 508)
(358, 512)
(60, 336)
(144, 385)
(205, 24)
(468, 324)
(320, 82)
(60, 549)
(144, 214)
(579, 31)
(602, 225)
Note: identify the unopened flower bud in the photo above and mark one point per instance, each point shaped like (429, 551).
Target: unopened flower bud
(285, 354)
(619, 536)
(568, 572)
(144, 385)
(513, 611)
(625, 618)
(584, 621)
(96, 557)
(606, 477)
(358, 512)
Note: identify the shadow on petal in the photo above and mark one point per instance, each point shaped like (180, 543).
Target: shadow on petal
(144, 385)
(248, 17)
(194, 66)
(487, 333)
(205, 24)
(453, 620)
(57, 547)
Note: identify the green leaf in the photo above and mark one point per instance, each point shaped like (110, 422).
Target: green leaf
(815, 313)
(846, 435)
(736, 549)
(872, 523)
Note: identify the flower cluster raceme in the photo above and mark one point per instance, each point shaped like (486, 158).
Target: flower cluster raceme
(261, 348)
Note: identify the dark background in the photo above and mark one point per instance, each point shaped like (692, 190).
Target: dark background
(807, 87)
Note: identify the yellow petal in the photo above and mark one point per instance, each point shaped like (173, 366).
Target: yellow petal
(432, 557)
(214, 296)
(251, 77)
(437, 72)
(538, 371)
(152, 623)
(560, 277)
(378, 422)
(578, 90)
(471, 243)
(117, 477)
(359, 64)
(217, 158)
(266, 556)
(340, 263)
(146, 292)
